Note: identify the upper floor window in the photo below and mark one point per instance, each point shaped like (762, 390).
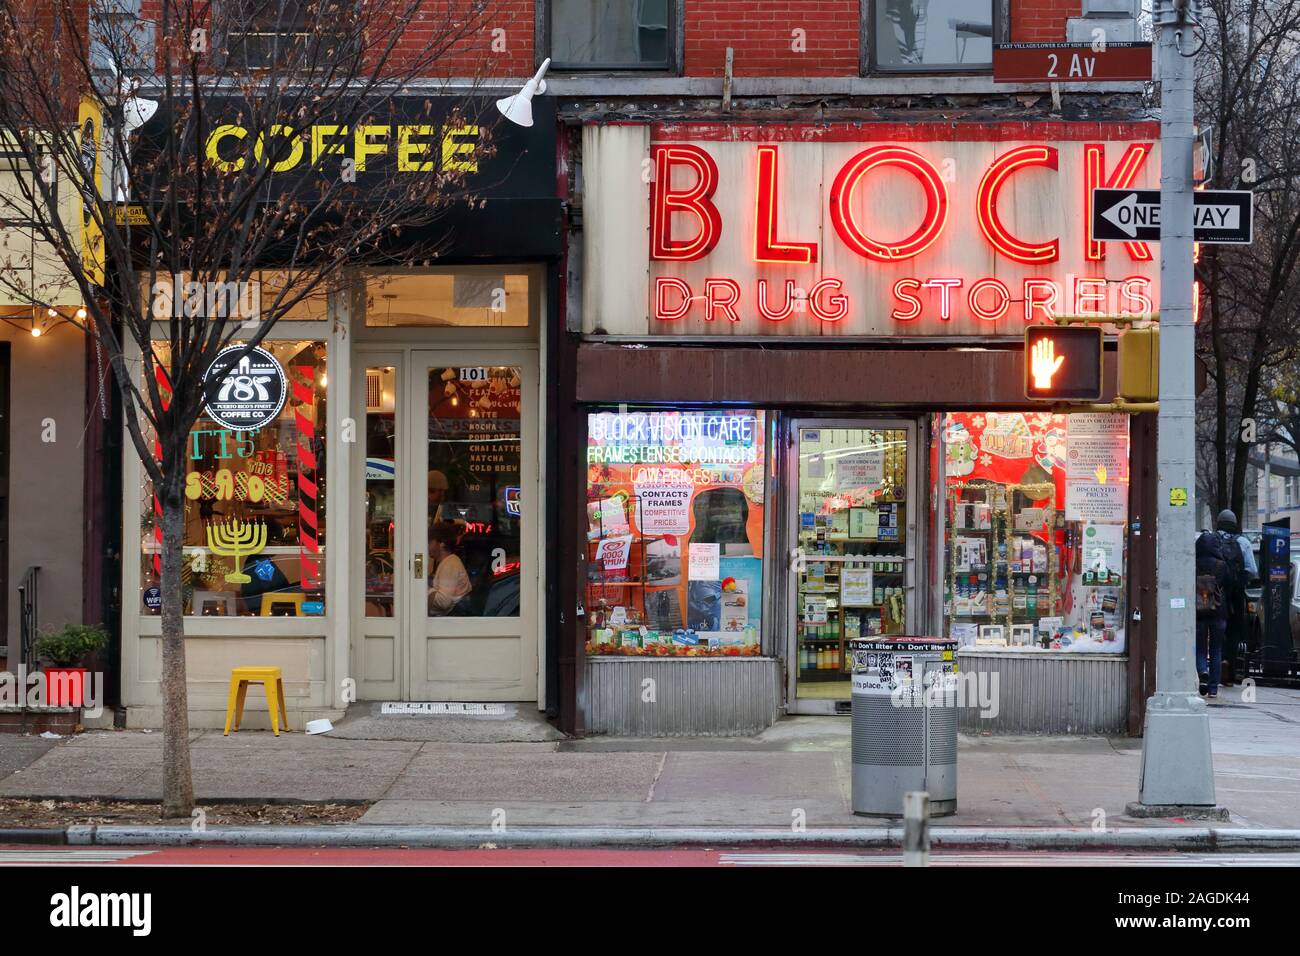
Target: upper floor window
(261, 34)
(925, 36)
(598, 35)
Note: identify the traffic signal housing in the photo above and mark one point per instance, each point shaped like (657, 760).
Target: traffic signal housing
(1139, 365)
(1063, 363)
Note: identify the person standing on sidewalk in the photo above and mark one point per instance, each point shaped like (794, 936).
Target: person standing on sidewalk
(1241, 570)
(1211, 610)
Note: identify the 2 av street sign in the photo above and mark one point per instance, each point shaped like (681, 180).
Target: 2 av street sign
(1133, 215)
(1071, 63)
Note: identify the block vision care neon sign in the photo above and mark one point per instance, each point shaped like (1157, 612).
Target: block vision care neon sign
(980, 236)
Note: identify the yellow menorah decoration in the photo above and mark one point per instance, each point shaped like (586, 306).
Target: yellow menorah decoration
(235, 539)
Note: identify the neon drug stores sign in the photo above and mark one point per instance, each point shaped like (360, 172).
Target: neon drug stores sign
(872, 229)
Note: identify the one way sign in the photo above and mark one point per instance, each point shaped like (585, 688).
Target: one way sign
(1132, 215)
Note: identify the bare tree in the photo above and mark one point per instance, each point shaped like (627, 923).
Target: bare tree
(1246, 95)
(213, 210)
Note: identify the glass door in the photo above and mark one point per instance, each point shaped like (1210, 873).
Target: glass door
(852, 513)
(473, 496)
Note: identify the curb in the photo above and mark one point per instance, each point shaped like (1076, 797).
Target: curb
(1188, 839)
(47, 836)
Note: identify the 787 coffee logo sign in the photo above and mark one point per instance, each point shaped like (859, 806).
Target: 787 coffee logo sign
(247, 393)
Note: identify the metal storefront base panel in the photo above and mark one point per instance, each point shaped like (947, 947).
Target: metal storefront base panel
(1047, 693)
(641, 697)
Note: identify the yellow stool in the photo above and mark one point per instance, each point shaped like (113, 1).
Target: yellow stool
(270, 679)
(271, 598)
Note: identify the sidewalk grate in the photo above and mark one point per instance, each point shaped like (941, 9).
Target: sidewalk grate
(439, 708)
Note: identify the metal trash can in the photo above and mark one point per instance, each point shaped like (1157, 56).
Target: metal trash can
(904, 723)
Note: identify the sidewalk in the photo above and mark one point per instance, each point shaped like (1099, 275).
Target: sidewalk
(800, 767)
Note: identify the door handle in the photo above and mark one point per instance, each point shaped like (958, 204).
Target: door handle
(419, 566)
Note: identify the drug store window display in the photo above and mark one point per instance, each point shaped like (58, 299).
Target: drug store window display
(1035, 509)
(254, 534)
(675, 510)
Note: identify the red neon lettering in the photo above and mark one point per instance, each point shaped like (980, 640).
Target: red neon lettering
(721, 294)
(1135, 289)
(838, 301)
(766, 312)
(986, 205)
(662, 286)
(1045, 304)
(767, 248)
(1089, 290)
(903, 292)
(1003, 295)
(945, 287)
(695, 201)
(1094, 177)
(845, 187)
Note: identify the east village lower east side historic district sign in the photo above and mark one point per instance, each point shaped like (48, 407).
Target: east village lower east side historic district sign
(885, 229)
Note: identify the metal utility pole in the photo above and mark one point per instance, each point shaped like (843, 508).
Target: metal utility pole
(1177, 772)
(1268, 483)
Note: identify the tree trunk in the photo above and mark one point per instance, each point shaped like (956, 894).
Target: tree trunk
(178, 784)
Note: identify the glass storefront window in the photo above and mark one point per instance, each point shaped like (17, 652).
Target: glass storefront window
(675, 507)
(466, 298)
(474, 491)
(254, 504)
(1035, 515)
(381, 489)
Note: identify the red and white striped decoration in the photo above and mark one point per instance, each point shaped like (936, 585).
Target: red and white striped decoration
(302, 378)
(165, 391)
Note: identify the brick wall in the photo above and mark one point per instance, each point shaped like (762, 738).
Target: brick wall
(772, 37)
(1040, 21)
(472, 39)
(763, 33)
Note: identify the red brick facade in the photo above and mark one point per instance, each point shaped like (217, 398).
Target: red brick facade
(768, 37)
(1040, 21)
(771, 37)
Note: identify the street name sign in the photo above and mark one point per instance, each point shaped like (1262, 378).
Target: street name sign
(1071, 63)
(1133, 215)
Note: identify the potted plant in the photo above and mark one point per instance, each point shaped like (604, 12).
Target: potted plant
(65, 651)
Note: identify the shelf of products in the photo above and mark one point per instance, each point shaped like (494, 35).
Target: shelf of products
(1001, 571)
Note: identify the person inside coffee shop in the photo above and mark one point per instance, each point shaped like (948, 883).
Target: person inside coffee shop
(448, 581)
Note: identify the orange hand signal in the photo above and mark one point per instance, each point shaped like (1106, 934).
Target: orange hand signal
(1045, 363)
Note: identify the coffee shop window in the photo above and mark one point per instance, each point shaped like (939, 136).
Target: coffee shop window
(675, 510)
(255, 491)
(1035, 509)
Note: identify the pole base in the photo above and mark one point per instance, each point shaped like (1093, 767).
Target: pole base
(1177, 767)
(1142, 811)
